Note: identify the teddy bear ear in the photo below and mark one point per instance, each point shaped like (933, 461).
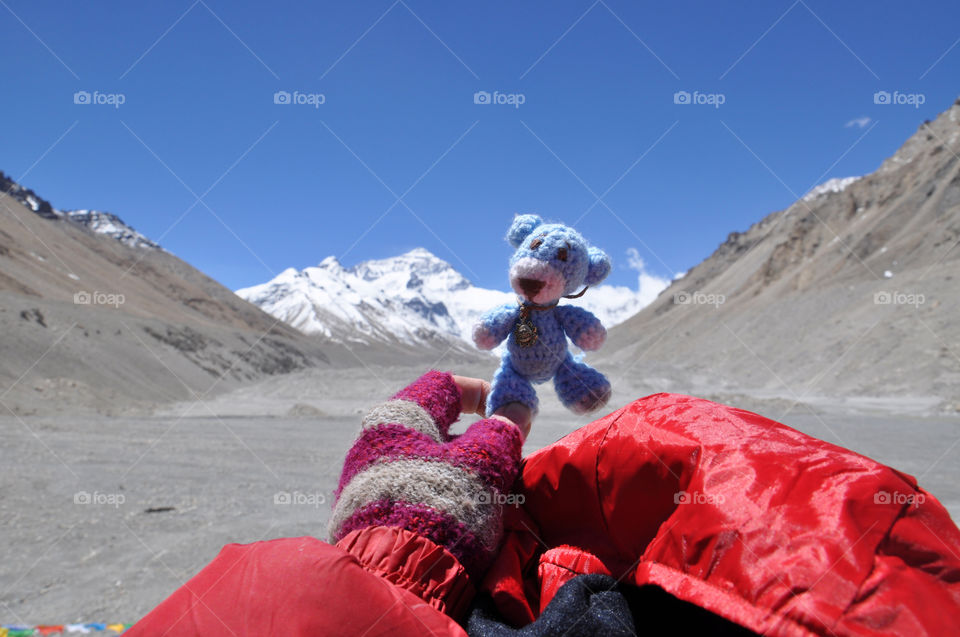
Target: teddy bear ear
(599, 266)
(522, 226)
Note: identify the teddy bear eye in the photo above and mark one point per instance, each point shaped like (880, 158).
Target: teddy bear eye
(536, 243)
(562, 254)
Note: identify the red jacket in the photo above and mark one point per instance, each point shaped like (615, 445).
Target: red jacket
(772, 529)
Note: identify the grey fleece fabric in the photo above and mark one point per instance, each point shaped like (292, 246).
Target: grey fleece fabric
(598, 605)
(589, 605)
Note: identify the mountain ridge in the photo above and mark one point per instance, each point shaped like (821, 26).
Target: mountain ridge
(98, 317)
(96, 221)
(810, 301)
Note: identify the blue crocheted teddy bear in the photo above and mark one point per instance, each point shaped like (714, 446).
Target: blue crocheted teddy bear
(552, 261)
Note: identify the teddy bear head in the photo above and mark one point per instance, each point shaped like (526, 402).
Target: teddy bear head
(552, 260)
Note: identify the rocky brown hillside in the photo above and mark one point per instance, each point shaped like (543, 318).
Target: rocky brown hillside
(849, 294)
(92, 321)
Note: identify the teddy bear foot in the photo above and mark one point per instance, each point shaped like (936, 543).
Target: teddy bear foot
(591, 402)
(510, 387)
(581, 388)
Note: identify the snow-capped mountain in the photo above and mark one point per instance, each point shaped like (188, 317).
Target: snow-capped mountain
(414, 298)
(27, 197)
(837, 184)
(97, 221)
(111, 225)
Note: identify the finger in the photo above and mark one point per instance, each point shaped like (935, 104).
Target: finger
(473, 394)
(518, 414)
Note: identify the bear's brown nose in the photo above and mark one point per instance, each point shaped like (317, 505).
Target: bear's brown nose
(530, 287)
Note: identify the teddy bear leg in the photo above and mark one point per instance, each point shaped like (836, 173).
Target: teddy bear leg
(580, 387)
(509, 386)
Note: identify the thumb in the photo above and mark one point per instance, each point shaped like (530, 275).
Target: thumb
(474, 393)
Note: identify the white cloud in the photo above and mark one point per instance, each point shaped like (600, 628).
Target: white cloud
(649, 286)
(860, 122)
(634, 260)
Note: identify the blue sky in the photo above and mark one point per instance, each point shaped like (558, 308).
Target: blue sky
(598, 139)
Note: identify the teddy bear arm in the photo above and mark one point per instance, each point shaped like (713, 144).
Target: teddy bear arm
(494, 326)
(584, 329)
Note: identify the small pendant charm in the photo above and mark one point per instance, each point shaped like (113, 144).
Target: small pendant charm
(525, 331)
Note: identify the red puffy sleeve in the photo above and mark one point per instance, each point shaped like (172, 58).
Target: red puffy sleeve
(745, 517)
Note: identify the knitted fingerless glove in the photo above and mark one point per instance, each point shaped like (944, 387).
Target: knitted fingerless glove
(406, 471)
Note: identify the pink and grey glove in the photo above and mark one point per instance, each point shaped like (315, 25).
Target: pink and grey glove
(406, 471)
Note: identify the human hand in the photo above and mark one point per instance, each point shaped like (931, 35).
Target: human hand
(406, 471)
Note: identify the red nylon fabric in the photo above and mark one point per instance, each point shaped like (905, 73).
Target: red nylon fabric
(415, 564)
(561, 564)
(777, 531)
(304, 587)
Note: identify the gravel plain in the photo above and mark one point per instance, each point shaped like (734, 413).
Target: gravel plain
(103, 517)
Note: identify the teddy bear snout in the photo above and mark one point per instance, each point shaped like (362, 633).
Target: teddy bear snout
(536, 280)
(530, 287)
